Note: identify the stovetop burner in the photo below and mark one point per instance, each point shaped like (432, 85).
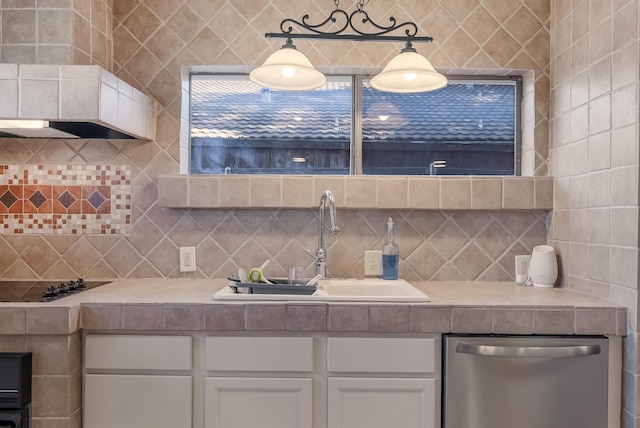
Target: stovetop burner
(43, 290)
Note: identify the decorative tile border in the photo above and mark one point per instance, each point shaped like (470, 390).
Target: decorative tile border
(65, 199)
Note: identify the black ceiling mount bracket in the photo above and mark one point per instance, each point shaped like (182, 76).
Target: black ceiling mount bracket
(350, 28)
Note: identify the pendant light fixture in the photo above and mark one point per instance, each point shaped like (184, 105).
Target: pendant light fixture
(289, 69)
(408, 72)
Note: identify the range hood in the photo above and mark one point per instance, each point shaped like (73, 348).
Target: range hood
(72, 101)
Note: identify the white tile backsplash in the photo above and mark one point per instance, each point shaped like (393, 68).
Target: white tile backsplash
(605, 265)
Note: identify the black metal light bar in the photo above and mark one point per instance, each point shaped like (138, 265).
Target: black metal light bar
(381, 35)
(350, 37)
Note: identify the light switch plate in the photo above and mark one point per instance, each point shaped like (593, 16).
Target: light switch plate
(372, 263)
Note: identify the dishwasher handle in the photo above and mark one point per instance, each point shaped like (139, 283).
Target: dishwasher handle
(528, 351)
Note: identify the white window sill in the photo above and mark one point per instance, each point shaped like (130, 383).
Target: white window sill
(356, 192)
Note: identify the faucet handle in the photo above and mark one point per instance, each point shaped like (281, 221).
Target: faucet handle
(308, 251)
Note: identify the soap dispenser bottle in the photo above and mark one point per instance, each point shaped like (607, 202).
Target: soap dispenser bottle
(390, 254)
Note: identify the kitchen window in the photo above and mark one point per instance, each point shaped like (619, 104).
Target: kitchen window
(470, 127)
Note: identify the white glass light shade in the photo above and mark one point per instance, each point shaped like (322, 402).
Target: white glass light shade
(287, 70)
(408, 72)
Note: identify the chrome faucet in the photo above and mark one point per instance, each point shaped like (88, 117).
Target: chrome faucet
(320, 255)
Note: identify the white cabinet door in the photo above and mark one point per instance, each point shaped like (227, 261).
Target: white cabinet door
(381, 403)
(134, 401)
(258, 402)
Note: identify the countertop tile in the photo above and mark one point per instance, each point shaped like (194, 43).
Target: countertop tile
(429, 319)
(49, 320)
(554, 321)
(470, 319)
(101, 316)
(621, 322)
(389, 318)
(348, 317)
(306, 317)
(187, 304)
(512, 320)
(142, 317)
(264, 317)
(224, 317)
(184, 317)
(594, 321)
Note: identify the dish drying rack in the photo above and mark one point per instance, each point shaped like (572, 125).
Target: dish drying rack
(279, 286)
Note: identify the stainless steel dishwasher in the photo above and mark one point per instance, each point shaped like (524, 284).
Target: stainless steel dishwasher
(525, 381)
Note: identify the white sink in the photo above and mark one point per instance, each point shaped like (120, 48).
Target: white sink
(359, 290)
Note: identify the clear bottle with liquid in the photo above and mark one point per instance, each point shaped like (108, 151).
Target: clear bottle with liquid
(390, 254)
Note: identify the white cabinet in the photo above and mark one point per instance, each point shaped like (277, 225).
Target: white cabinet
(267, 381)
(134, 381)
(259, 382)
(258, 402)
(364, 387)
(134, 401)
(381, 403)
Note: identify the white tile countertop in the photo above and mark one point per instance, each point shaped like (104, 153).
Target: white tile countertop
(188, 305)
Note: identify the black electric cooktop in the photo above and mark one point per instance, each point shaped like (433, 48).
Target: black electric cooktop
(43, 290)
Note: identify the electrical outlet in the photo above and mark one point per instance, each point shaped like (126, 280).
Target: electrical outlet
(372, 263)
(522, 268)
(187, 259)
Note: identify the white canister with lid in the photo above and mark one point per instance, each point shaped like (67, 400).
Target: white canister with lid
(543, 267)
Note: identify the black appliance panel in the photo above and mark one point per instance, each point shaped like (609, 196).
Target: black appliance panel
(16, 418)
(15, 379)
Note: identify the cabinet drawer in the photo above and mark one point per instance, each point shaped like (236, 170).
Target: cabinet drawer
(390, 355)
(137, 352)
(279, 354)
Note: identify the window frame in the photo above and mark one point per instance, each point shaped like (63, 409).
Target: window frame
(358, 75)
